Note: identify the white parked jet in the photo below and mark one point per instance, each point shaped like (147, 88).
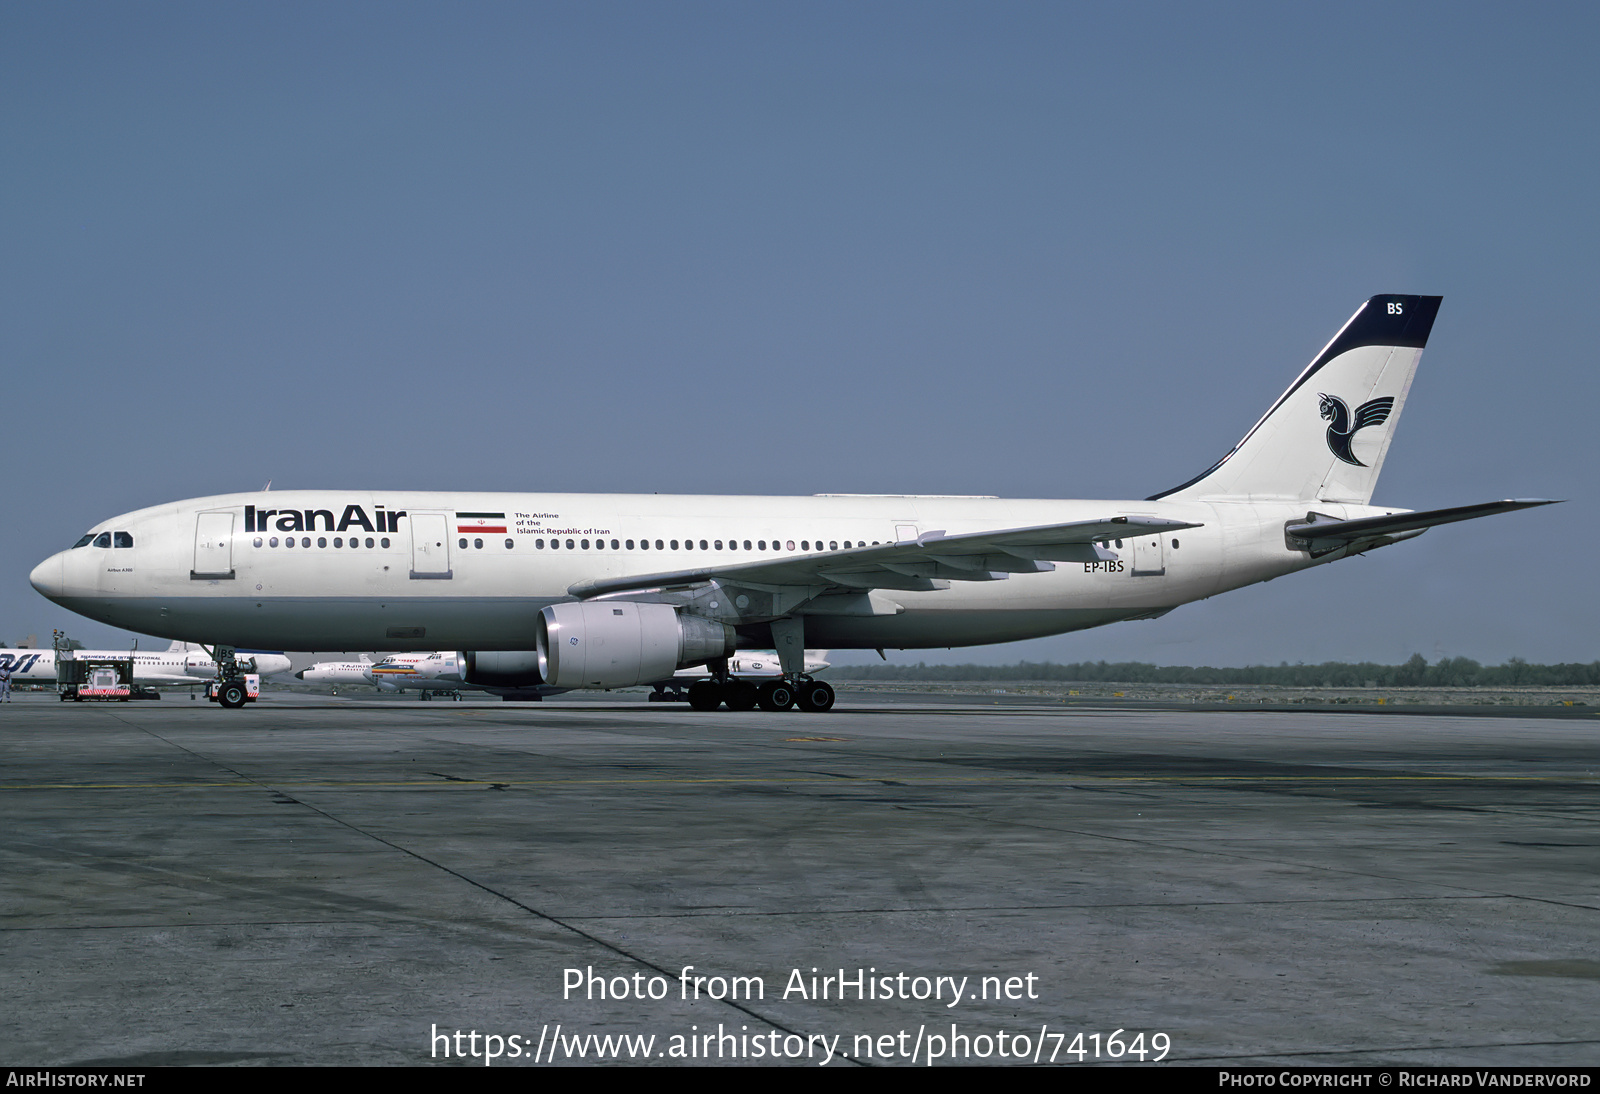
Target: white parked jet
(440, 672)
(605, 591)
(180, 665)
(338, 672)
(747, 672)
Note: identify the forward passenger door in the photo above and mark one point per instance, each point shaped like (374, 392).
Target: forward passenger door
(213, 547)
(430, 546)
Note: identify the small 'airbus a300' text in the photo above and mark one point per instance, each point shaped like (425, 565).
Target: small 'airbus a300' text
(607, 591)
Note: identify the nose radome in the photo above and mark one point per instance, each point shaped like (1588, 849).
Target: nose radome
(48, 578)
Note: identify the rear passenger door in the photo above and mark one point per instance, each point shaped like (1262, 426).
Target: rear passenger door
(1149, 557)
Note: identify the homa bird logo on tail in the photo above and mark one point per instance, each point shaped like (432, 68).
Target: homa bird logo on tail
(1341, 430)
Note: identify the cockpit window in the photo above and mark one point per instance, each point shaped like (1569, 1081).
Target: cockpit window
(122, 539)
(84, 542)
(103, 539)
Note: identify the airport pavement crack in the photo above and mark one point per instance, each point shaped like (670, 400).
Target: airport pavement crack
(555, 921)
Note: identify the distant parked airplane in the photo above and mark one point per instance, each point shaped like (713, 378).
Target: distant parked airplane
(181, 664)
(338, 672)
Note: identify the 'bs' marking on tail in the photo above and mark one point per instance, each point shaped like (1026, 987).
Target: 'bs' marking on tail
(1341, 430)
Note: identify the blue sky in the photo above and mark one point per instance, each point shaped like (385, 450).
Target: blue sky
(1035, 250)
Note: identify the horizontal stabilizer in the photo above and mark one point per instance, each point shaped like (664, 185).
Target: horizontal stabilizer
(1329, 532)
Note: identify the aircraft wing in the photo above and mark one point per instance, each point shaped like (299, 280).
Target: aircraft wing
(1334, 533)
(929, 562)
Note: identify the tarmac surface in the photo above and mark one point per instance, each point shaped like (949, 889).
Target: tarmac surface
(332, 881)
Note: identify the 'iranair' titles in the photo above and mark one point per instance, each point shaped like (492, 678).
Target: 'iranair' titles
(305, 520)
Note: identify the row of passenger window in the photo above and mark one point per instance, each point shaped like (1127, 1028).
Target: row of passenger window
(689, 545)
(539, 544)
(124, 539)
(322, 541)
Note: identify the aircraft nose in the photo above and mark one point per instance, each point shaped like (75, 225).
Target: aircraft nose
(49, 577)
(301, 675)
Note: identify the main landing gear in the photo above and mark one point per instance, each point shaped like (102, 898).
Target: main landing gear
(793, 689)
(812, 696)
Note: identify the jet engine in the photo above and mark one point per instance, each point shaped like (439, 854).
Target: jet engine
(620, 643)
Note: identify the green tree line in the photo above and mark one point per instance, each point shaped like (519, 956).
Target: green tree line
(1448, 672)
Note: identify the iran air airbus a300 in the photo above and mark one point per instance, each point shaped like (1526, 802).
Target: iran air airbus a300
(609, 591)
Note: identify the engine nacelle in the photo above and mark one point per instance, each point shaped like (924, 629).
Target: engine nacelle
(620, 643)
(501, 668)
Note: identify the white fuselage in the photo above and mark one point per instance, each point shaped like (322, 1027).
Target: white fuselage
(442, 670)
(439, 671)
(337, 672)
(753, 665)
(425, 571)
(165, 668)
(436, 671)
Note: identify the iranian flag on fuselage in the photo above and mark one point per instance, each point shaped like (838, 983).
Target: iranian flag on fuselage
(480, 522)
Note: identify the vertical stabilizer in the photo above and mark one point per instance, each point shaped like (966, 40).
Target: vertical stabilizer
(1326, 437)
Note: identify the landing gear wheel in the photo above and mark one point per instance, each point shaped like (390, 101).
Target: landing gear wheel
(815, 697)
(776, 695)
(231, 695)
(742, 696)
(705, 696)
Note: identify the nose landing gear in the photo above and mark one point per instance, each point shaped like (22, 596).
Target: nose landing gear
(230, 689)
(231, 694)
